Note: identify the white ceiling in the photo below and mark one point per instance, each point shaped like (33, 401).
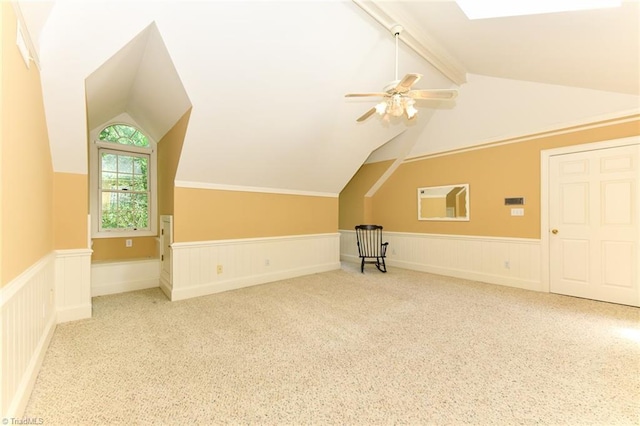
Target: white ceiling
(266, 80)
(594, 49)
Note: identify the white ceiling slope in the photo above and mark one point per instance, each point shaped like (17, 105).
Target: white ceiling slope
(490, 109)
(139, 80)
(268, 94)
(266, 80)
(593, 49)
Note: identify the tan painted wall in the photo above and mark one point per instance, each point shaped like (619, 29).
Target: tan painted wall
(116, 249)
(27, 174)
(205, 215)
(355, 208)
(494, 173)
(70, 194)
(169, 150)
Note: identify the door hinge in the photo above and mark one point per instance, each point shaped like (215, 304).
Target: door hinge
(161, 257)
(162, 232)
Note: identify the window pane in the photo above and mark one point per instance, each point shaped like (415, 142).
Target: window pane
(124, 201)
(125, 190)
(139, 183)
(109, 162)
(109, 217)
(139, 139)
(109, 134)
(124, 130)
(139, 210)
(125, 164)
(140, 166)
(125, 182)
(109, 180)
(124, 135)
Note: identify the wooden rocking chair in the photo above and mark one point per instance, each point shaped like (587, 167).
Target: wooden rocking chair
(371, 249)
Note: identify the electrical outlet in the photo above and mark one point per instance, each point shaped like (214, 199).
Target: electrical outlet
(219, 269)
(266, 262)
(128, 243)
(507, 264)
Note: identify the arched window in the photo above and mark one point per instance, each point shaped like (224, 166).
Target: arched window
(124, 181)
(124, 135)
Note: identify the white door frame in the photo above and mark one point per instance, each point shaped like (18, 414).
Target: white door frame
(545, 155)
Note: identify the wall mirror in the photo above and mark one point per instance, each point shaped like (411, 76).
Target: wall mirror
(447, 203)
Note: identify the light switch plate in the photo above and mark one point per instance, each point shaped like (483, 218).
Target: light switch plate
(517, 212)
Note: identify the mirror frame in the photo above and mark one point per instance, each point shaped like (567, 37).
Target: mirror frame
(442, 192)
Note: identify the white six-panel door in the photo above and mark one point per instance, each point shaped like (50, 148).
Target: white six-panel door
(594, 211)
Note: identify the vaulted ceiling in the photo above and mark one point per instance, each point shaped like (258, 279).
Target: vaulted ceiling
(266, 80)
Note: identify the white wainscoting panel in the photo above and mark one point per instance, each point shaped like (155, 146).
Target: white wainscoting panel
(120, 277)
(251, 261)
(73, 284)
(513, 262)
(28, 320)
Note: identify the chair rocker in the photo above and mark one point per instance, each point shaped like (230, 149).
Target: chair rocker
(371, 249)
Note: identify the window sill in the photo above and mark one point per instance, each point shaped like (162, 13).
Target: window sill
(124, 234)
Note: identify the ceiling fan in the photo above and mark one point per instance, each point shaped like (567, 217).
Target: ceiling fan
(398, 96)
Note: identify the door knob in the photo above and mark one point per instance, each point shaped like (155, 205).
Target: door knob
(554, 231)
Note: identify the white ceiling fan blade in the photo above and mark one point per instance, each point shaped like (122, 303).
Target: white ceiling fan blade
(433, 94)
(359, 95)
(407, 82)
(366, 115)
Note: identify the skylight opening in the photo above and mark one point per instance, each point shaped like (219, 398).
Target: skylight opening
(484, 9)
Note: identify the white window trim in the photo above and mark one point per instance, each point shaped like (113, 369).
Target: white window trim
(94, 182)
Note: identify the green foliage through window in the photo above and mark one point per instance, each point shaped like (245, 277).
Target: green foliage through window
(124, 180)
(124, 135)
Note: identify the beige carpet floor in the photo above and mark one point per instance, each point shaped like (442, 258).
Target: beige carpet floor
(349, 349)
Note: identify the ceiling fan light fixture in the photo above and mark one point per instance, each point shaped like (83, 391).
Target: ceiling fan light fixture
(396, 106)
(398, 95)
(411, 111)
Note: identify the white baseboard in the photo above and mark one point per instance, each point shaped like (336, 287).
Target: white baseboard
(468, 275)
(123, 276)
(73, 313)
(166, 287)
(234, 284)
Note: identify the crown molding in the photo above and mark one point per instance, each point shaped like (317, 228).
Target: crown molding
(240, 188)
(389, 14)
(587, 123)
